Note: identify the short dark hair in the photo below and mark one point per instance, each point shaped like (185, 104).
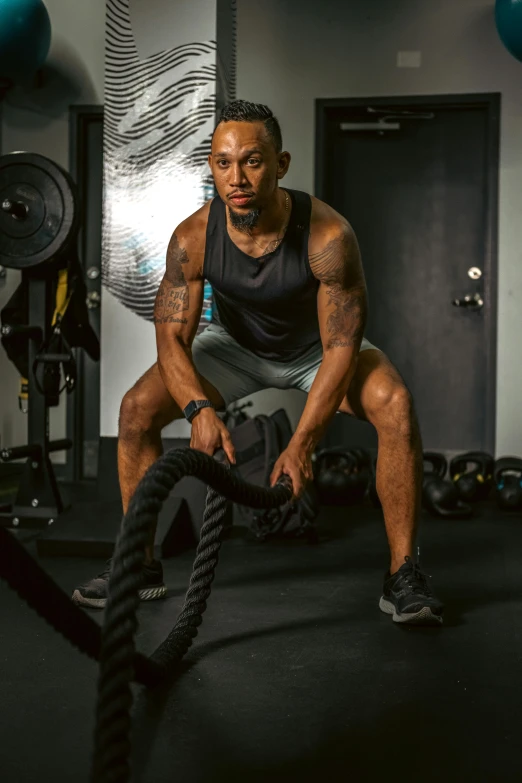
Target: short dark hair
(244, 111)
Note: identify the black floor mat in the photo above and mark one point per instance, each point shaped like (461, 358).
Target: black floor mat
(295, 675)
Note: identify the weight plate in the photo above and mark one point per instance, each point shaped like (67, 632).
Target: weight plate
(38, 215)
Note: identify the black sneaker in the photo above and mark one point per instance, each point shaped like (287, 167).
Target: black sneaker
(407, 596)
(94, 593)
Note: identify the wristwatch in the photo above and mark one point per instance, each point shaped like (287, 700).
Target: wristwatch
(194, 407)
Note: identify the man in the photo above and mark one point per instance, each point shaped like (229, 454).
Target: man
(291, 307)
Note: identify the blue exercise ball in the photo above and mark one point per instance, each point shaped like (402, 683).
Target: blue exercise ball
(25, 37)
(508, 16)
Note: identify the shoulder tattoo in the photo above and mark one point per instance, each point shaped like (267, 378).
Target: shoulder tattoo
(338, 267)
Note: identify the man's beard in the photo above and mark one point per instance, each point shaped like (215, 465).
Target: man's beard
(244, 221)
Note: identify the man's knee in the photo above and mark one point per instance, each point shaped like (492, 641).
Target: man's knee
(390, 404)
(137, 414)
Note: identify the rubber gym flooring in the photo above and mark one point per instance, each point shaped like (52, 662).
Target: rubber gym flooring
(295, 674)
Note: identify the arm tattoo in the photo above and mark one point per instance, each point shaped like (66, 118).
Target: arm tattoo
(346, 323)
(330, 265)
(169, 302)
(173, 294)
(176, 257)
(338, 268)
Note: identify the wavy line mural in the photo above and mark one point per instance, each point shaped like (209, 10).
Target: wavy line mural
(159, 116)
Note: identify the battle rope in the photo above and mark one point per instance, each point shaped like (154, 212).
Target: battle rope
(24, 575)
(117, 657)
(114, 646)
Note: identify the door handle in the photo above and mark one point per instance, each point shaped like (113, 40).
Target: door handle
(470, 302)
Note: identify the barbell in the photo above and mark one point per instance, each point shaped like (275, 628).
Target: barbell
(38, 210)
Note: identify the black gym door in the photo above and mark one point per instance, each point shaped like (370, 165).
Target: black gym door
(420, 192)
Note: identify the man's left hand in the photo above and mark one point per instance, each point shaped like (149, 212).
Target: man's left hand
(296, 463)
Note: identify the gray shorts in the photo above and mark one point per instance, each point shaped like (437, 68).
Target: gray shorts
(236, 372)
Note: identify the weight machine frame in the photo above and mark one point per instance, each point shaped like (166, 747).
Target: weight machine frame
(38, 502)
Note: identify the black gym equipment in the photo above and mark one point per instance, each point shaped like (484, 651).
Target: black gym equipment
(341, 476)
(38, 214)
(361, 479)
(372, 485)
(508, 480)
(258, 443)
(472, 474)
(363, 457)
(440, 497)
(293, 520)
(44, 318)
(114, 646)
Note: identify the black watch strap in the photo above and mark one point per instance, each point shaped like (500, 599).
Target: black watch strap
(194, 406)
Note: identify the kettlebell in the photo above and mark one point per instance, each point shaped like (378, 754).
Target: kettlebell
(508, 478)
(363, 457)
(440, 497)
(475, 482)
(360, 478)
(337, 478)
(372, 486)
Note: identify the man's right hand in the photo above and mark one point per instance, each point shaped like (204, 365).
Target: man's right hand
(210, 434)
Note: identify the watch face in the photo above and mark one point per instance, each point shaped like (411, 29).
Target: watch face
(190, 410)
(194, 406)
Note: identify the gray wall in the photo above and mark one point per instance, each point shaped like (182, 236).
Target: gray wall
(36, 120)
(291, 52)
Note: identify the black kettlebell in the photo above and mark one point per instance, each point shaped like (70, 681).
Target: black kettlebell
(360, 478)
(336, 477)
(472, 474)
(363, 457)
(508, 478)
(372, 486)
(440, 497)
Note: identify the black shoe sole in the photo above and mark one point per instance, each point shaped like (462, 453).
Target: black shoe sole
(146, 594)
(423, 617)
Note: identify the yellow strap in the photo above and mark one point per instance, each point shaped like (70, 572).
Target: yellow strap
(24, 387)
(62, 299)
(23, 395)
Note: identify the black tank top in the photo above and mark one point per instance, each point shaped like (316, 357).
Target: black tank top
(267, 304)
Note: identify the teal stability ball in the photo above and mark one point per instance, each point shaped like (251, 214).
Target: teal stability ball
(25, 37)
(508, 15)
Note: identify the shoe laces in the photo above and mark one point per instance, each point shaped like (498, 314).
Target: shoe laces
(415, 579)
